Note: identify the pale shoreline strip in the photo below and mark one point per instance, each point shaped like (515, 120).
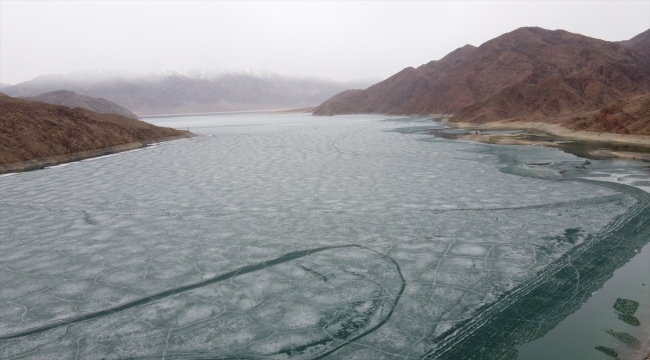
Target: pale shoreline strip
(557, 130)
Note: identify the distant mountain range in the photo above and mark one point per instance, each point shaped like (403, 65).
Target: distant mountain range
(73, 100)
(529, 73)
(196, 92)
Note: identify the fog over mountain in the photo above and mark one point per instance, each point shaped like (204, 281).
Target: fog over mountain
(191, 91)
(339, 40)
(73, 100)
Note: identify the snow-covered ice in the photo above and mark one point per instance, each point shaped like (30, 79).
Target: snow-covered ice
(286, 236)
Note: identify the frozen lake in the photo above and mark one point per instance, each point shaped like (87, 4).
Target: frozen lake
(290, 236)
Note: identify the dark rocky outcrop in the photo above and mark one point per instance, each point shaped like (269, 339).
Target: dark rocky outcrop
(629, 116)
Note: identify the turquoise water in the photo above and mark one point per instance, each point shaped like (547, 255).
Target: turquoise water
(292, 236)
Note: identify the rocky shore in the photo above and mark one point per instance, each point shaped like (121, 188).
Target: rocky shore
(562, 134)
(41, 163)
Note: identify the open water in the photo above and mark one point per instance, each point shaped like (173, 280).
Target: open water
(287, 236)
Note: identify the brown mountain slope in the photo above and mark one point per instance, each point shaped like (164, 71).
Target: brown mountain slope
(630, 116)
(527, 71)
(33, 130)
(552, 97)
(339, 103)
(640, 42)
(397, 94)
(73, 100)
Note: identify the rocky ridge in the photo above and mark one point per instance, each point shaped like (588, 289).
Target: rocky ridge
(36, 131)
(527, 74)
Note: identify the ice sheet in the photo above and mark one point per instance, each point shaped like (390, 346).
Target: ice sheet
(189, 249)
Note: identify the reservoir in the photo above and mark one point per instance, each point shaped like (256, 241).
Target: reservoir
(287, 236)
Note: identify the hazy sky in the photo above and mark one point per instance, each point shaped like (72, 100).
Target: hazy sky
(338, 40)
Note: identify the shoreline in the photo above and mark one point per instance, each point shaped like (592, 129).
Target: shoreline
(558, 131)
(37, 164)
(294, 111)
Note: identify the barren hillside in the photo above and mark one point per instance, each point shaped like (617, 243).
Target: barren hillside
(527, 73)
(33, 130)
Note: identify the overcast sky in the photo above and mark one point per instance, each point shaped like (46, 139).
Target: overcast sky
(339, 40)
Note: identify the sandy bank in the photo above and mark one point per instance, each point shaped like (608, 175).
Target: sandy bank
(505, 140)
(64, 158)
(557, 130)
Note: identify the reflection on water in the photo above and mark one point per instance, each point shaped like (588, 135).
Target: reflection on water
(289, 236)
(607, 325)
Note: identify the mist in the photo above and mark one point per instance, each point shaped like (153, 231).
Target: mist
(340, 41)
